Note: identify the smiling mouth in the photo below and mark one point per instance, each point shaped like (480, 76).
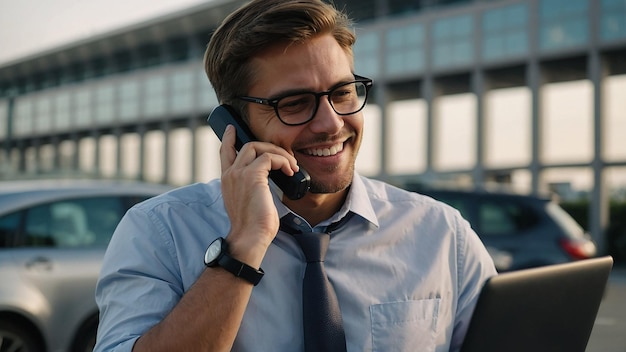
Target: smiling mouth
(330, 151)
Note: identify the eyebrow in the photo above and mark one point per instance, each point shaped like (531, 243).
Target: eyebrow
(289, 92)
(295, 91)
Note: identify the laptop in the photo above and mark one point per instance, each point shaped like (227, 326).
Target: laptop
(551, 308)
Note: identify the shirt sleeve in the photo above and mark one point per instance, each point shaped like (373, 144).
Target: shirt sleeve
(475, 266)
(138, 268)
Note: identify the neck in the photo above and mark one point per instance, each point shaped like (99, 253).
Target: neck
(317, 207)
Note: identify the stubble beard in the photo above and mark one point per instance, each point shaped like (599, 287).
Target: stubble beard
(341, 182)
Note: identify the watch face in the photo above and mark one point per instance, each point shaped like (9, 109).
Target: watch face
(213, 252)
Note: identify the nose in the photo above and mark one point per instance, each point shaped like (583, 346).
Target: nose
(326, 120)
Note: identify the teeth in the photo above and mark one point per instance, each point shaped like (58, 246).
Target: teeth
(326, 151)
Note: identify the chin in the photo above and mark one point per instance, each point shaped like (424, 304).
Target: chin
(334, 185)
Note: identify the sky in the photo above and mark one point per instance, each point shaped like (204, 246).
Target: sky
(30, 26)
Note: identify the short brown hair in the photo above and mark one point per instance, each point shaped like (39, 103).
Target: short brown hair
(259, 24)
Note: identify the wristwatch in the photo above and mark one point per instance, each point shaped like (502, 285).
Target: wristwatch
(217, 255)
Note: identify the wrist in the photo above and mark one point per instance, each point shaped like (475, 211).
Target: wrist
(218, 255)
(248, 249)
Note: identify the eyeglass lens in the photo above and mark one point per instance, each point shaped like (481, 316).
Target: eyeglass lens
(345, 100)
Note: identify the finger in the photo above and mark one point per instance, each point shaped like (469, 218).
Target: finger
(280, 158)
(228, 153)
(271, 161)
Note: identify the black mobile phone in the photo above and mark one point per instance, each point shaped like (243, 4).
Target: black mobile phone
(294, 187)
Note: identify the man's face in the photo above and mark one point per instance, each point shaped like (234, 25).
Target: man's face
(326, 146)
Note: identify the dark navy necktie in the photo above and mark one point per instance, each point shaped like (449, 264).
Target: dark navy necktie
(323, 326)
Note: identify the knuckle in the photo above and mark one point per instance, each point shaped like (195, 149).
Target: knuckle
(265, 157)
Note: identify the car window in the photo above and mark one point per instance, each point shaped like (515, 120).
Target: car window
(88, 222)
(498, 218)
(37, 228)
(103, 215)
(495, 220)
(9, 228)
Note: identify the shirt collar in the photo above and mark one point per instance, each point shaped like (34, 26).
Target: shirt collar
(358, 202)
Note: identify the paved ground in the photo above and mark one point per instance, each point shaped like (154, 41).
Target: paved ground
(609, 332)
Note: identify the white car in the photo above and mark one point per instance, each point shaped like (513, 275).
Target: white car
(53, 235)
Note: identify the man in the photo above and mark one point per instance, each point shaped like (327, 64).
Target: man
(406, 270)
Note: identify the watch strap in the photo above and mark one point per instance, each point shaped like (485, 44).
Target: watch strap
(240, 269)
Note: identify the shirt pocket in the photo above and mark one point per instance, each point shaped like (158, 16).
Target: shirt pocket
(405, 326)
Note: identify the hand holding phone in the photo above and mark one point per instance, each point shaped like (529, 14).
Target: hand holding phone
(294, 187)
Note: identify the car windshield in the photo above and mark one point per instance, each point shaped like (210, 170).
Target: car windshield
(565, 220)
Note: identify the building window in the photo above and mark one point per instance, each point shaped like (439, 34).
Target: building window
(358, 11)
(453, 42)
(70, 74)
(129, 99)
(123, 61)
(83, 107)
(181, 84)
(4, 118)
(403, 7)
(104, 103)
(150, 55)
(42, 120)
(613, 19)
(155, 97)
(62, 111)
(178, 49)
(505, 32)
(205, 94)
(366, 57)
(22, 120)
(100, 67)
(404, 50)
(563, 23)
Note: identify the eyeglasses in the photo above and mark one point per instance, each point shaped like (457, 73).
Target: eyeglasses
(299, 108)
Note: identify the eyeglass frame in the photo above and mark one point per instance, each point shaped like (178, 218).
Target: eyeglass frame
(273, 102)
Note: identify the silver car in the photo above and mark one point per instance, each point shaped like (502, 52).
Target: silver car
(53, 235)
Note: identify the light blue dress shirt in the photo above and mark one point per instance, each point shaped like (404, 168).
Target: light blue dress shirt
(407, 271)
